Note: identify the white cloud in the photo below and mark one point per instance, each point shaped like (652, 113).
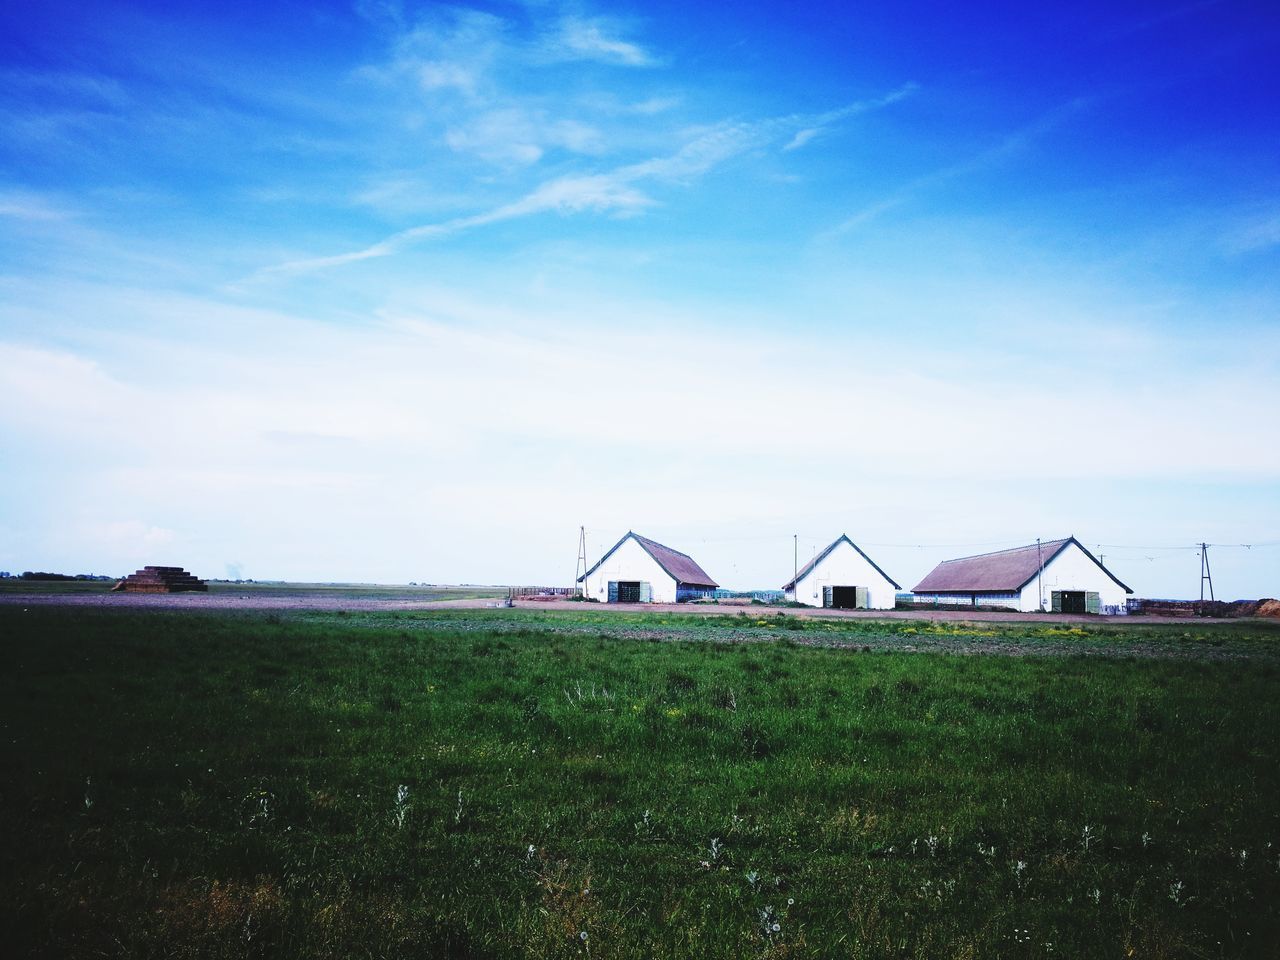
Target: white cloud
(614, 191)
(401, 434)
(128, 536)
(520, 136)
(1254, 235)
(654, 105)
(27, 205)
(801, 138)
(592, 39)
(58, 386)
(822, 121)
(439, 75)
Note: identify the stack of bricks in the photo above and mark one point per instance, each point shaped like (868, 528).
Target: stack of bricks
(160, 580)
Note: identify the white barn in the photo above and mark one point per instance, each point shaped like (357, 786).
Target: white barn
(640, 570)
(1057, 575)
(843, 576)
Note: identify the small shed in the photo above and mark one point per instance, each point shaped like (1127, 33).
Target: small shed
(639, 570)
(1057, 575)
(842, 576)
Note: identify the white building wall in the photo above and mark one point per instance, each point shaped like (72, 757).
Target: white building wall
(845, 567)
(1072, 569)
(631, 562)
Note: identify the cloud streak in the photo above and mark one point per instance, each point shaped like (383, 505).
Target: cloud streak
(619, 191)
(1009, 146)
(821, 123)
(594, 40)
(34, 207)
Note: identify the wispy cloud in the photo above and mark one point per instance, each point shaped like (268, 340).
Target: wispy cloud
(1008, 146)
(89, 89)
(822, 122)
(802, 137)
(613, 191)
(618, 191)
(492, 84)
(1254, 235)
(1169, 14)
(26, 205)
(600, 193)
(521, 136)
(596, 39)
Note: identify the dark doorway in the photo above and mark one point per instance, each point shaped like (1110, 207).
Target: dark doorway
(629, 591)
(844, 598)
(1073, 601)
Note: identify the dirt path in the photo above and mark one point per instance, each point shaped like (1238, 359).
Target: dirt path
(957, 616)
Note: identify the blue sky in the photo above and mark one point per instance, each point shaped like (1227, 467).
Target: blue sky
(384, 291)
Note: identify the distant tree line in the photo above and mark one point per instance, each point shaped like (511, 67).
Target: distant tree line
(44, 575)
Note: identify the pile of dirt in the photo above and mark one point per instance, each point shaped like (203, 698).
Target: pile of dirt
(1206, 608)
(1268, 608)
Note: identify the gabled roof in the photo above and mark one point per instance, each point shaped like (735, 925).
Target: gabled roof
(680, 566)
(1004, 570)
(843, 538)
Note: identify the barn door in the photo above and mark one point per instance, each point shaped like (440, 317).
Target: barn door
(613, 591)
(646, 592)
(1092, 603)
(860, 600)
(1056, 604)
(826, 596)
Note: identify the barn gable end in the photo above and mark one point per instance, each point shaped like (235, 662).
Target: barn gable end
(843, 575)
(639, 570)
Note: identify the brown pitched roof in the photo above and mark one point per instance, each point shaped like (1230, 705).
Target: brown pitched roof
(681, 566)
(1004, 570)
(804, 571)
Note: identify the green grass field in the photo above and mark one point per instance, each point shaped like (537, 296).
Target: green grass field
(527, 784)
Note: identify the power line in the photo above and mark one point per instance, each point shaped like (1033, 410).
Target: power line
(1162, 548)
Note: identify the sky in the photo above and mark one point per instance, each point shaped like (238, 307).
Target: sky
(391, 292)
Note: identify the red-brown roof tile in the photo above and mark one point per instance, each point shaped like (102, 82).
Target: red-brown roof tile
(1006, 570)
(681, 566)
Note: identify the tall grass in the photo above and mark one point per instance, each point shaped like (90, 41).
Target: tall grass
(234, 785)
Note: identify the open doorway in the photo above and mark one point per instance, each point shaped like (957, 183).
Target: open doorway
(1073, 601)
(845, 598)
(630, 591)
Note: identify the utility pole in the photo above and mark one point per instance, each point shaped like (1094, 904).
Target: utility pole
(580, 570)
(1039, 573)
(1204, 571)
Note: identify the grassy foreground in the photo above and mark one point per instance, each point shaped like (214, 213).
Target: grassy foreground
(427, 785)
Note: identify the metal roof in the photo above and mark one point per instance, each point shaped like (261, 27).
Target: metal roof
(681, 567)
(1004, 570)
(843, 538)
